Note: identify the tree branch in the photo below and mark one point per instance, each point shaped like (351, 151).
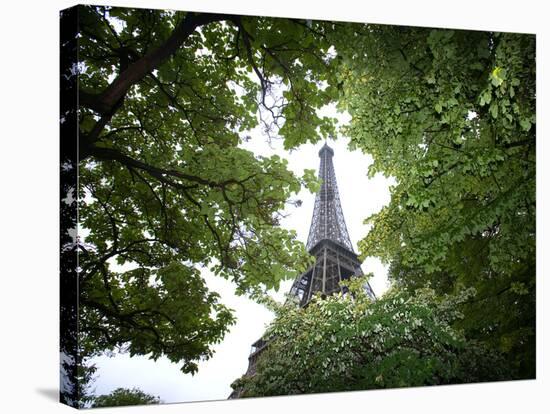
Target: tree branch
(152, 60)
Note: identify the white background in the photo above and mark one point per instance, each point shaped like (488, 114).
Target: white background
(29, 204)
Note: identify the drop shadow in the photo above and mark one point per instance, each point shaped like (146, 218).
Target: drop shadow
(51, 394)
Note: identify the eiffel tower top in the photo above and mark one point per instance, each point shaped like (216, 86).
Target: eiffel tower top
(326, 148)
(328, 219)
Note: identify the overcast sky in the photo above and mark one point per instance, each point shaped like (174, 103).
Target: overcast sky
(360, 197)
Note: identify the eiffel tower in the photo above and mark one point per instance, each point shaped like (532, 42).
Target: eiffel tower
(329, 242)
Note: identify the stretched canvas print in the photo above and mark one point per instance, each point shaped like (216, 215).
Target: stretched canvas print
(258, 206)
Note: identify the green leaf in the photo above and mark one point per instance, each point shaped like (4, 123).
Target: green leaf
(497, 76)
(525, 124)
(493, 109)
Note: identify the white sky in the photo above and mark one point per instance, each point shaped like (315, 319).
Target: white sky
(360, 197)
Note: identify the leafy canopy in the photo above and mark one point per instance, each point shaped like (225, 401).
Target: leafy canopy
(165, 190)
(451, 115)
(345, 343)
(124, 396)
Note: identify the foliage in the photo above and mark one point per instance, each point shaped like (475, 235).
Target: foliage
(124, 396)
(175, 314)
(350, 342)
(166, 191)
(85, 378)
(451, 115)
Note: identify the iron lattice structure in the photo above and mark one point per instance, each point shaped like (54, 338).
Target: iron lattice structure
(328, 219)
(329, 242)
